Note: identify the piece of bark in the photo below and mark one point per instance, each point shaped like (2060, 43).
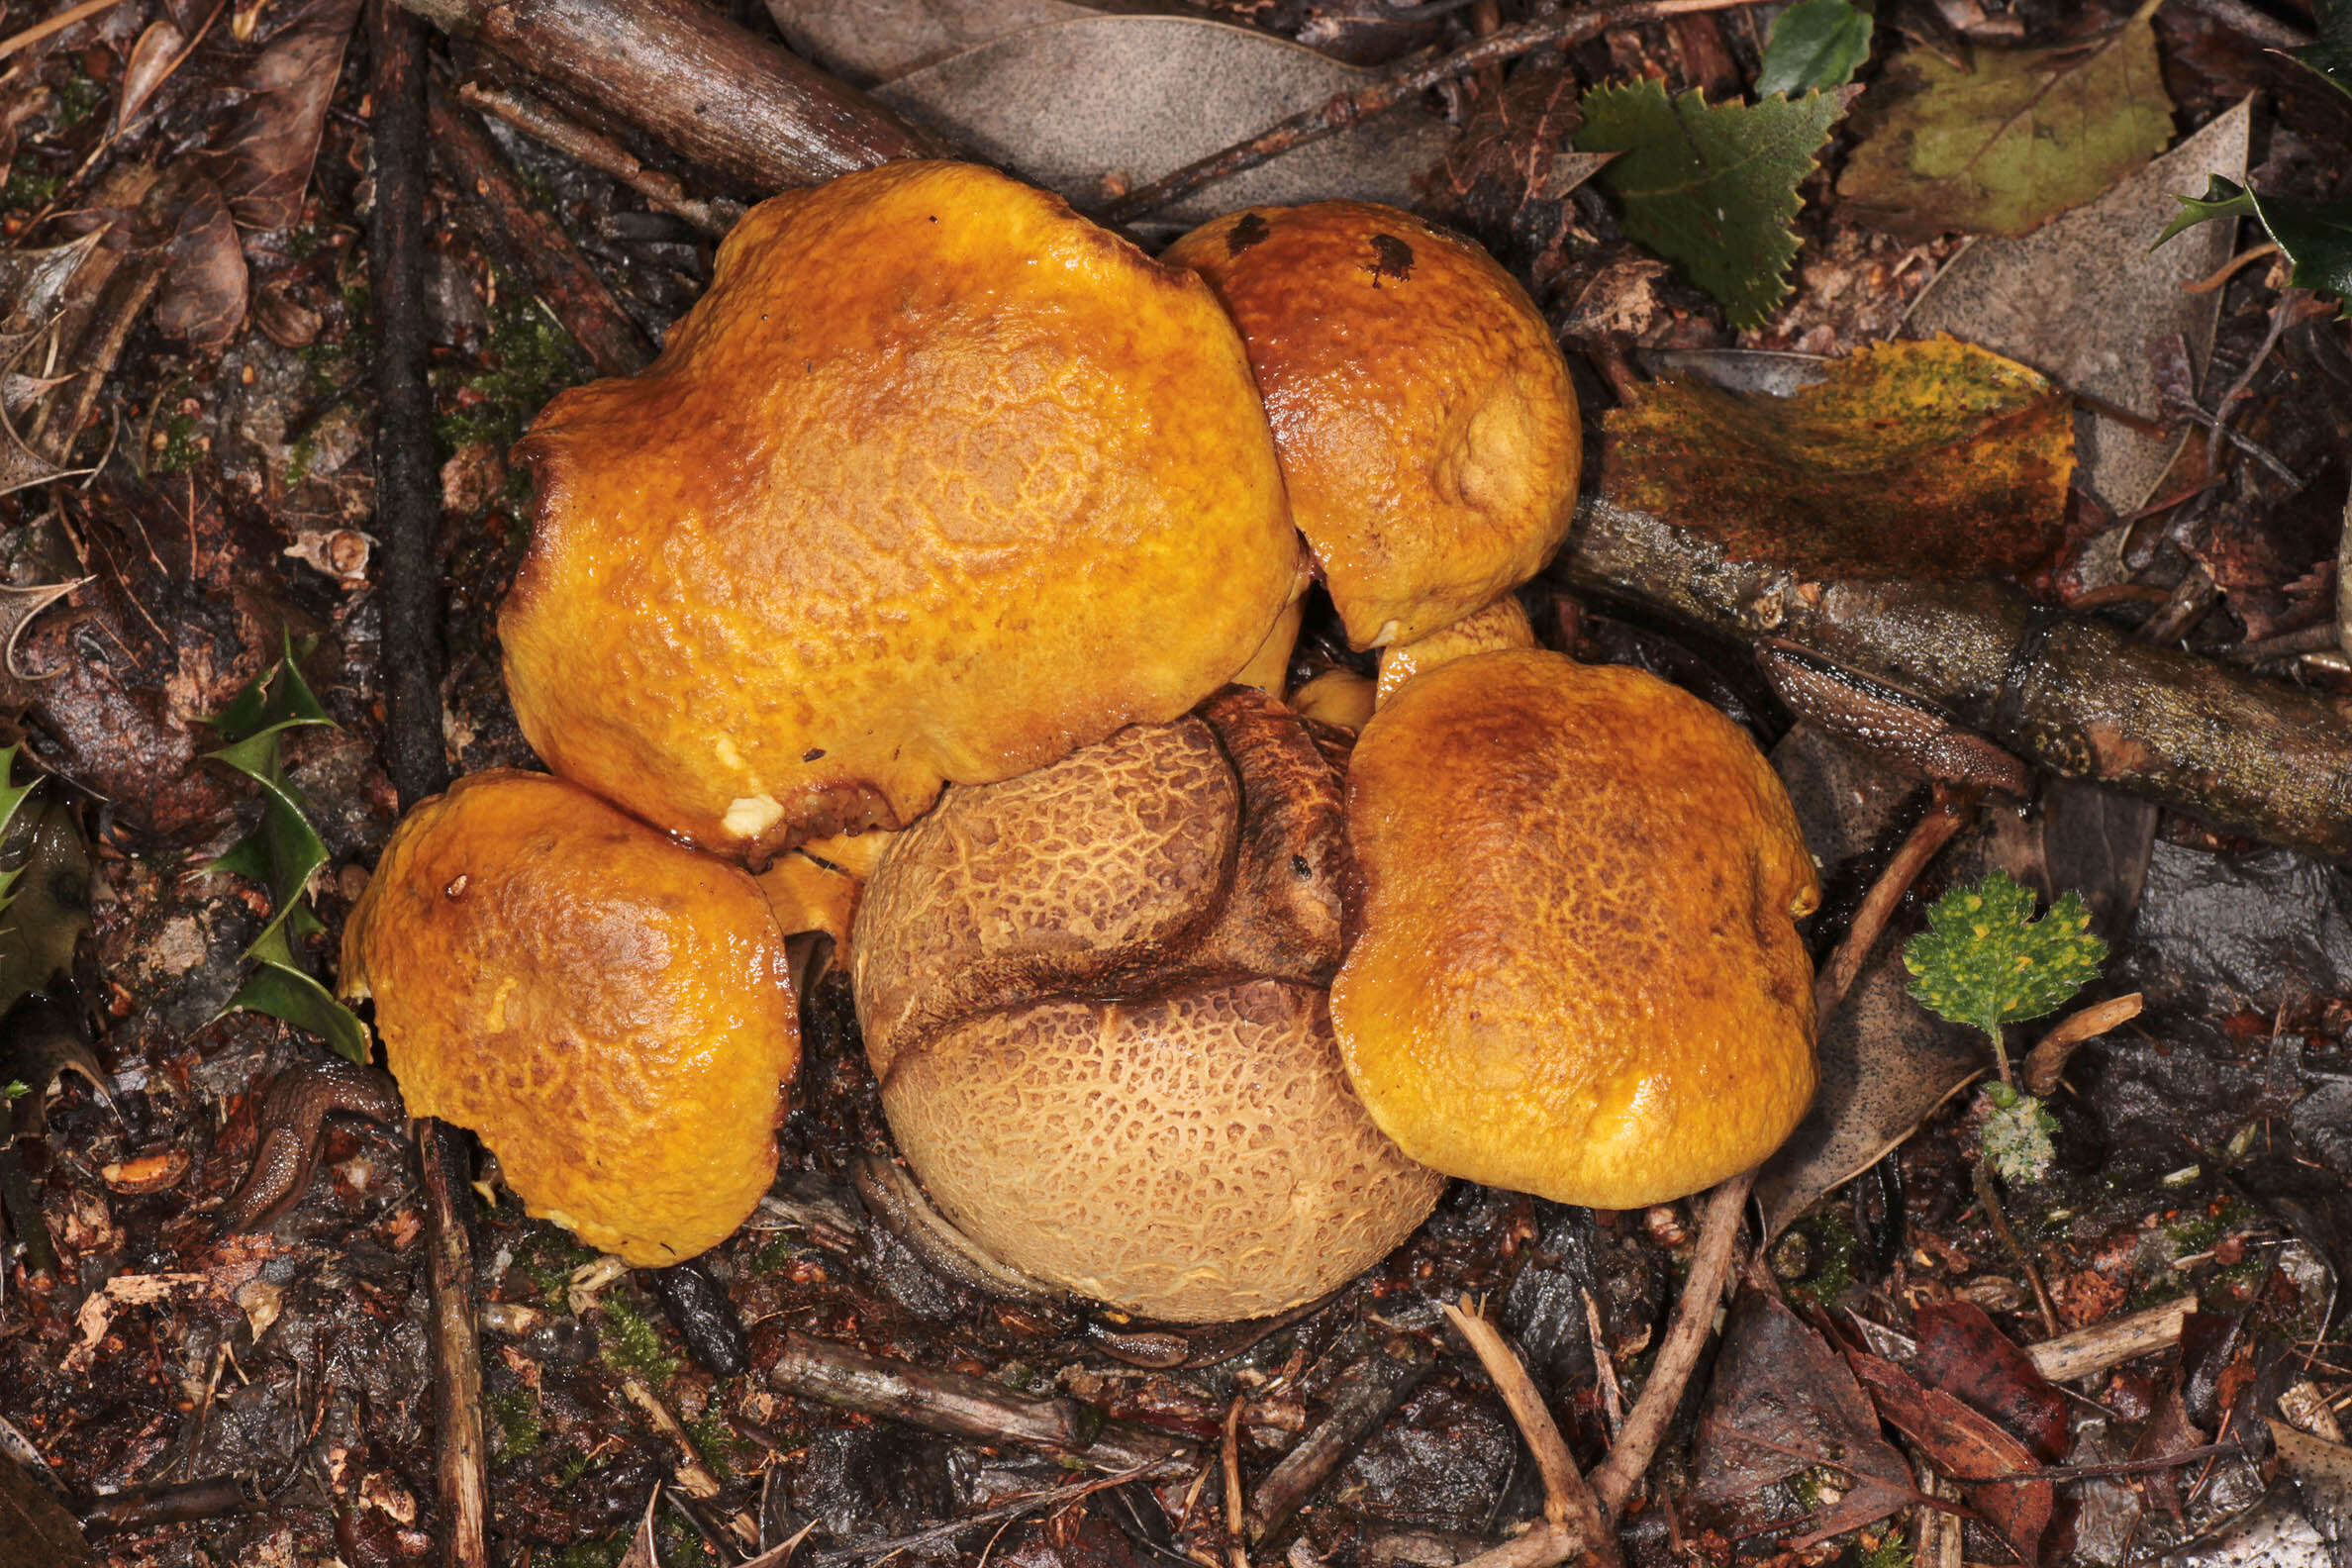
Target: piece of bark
(2076, 695)
(528, 240)
(568, 135)
(726, 100)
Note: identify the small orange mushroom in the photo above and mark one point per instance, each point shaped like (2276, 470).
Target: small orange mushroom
(608, 1010)
(1576, 970)
(1422, 409)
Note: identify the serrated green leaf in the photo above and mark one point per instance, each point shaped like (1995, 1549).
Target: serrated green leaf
(2009, 141)
(2315, 236)
(280, 853)
(277, 699)
(2330, 54)
(1984, 959)
(1711, 186)
(1814, 44)
(2223, 199)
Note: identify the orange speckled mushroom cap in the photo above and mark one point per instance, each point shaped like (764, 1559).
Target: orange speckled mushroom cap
(1576, 971)
(610, 1011)
(1424, 414)
(939, 480)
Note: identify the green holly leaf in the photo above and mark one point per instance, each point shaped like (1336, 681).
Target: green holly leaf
(282, 988)
(2331, 53)
(1814, 44)
(2010, 140)
(1711, 186)
(1984, 959)
(281, 854)
(2316, 235)
(2016, 1135)
(12, 796)
(15, 1089)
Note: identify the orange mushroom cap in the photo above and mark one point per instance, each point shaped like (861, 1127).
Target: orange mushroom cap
(939, 481)
(1423, 415)
(608, 1010)
(1576, 971)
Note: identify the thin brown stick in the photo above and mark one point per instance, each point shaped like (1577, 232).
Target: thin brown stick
(1235, 1515)
(1694, 1319)
(960, 1406)
(459, 1461)
(2047, 1059)
(1367, 1392)
(2230, 268)
(2095, 1350)
(529, 241)
(1945, 814)
(1574, 1524)
(57, 24)
(574, 140)
(1991, 1199)
(1349, 109)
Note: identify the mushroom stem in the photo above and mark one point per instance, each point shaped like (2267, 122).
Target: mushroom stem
(1629, 1457)
(1574, 1526)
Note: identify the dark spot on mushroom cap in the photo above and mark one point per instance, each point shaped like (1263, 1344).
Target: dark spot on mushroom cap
(1300, 869)
(1246, 232)
(1391, 257)
(812, 753)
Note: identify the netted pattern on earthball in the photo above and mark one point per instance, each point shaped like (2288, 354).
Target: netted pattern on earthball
(1576, 971)
(939, 481)
(608, 1010)
(1195, 1158)
(1066, 879)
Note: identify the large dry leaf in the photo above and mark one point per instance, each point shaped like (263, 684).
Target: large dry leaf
(1093, 106)
(1965, 1355)
(877, 39)
(2011, 140)
(1930, 461)
(2083, 298)
(269, 144)
(36, 1530)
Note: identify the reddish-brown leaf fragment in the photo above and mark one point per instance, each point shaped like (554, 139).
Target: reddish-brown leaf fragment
(269, 142)
(1963, 1354)
(1969, 1449)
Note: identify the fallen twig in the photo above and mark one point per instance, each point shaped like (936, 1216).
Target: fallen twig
(1230, 1458)
(947, 1533)
(532, 243)
(2048, 1058)
(459, 1458)
(1574, 1526)
(1990, 1197)
(1944, 816)
(1350, 109)
(57, 24)
(2095, 1350)
(1368, 1391)
(736, 104)
(568, 135)
(2076, 695)
(1637, 1445)
(965, 1407)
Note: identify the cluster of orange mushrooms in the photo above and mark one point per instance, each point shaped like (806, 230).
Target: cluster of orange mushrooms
(946, 568)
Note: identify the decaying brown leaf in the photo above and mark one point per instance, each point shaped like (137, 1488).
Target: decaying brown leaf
(1968, 1447)
(269, 144)
(1933, 459)
(203, 296)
